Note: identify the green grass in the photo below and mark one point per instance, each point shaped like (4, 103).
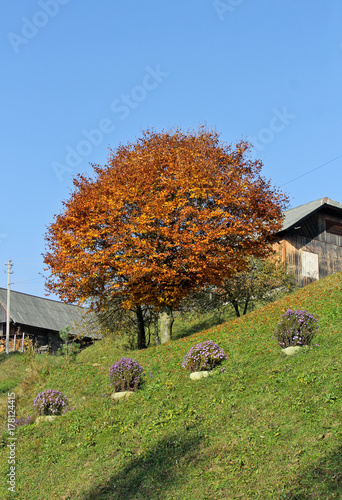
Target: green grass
(12, 362)
(187, 324)
(268, 427)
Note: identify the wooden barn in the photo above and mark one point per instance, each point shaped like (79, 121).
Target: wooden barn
(40, 320)
(310, 242)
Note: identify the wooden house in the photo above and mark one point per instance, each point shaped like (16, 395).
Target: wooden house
(40, 320)
(310, 242)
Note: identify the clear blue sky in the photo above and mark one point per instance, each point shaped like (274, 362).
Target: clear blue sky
(79, 77)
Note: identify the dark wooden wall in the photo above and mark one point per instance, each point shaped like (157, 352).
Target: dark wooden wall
(311, 237)
(37, 335)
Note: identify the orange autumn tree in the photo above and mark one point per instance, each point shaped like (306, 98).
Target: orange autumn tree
(169, 214)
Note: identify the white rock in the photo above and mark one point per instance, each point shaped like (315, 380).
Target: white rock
(198, 375)
(121, 395)
(46, 418)
(292, 349)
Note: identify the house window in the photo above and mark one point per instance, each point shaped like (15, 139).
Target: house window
(333, 227)
(310, 265)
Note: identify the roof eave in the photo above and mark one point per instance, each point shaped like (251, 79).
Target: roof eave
(323, 204)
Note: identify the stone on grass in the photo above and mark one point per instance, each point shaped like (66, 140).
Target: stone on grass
(292, 349)
(45, 418)
(198, 375)
(121, 395)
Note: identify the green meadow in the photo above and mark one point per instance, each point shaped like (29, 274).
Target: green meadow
(268, 426)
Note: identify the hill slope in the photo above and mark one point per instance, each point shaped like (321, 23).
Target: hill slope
(266, 427)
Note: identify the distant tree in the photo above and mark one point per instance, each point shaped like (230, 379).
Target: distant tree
(69, 348)
(263, 281)
(169, 214)
(205, 301)
(115, 318)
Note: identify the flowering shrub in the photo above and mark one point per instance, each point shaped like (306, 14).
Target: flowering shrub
(23, 421)
(51, 402)
(296, 328)
(203, 356)
(125, 375)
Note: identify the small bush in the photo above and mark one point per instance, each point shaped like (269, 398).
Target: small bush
(51, 402)
(30, 351)
(203, 356)
(69, 348)
(125, 375)
(296, 328)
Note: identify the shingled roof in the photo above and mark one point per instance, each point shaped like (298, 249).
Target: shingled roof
(298, 214)
(39, 312)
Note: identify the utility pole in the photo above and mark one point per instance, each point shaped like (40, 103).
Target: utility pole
(9, 267)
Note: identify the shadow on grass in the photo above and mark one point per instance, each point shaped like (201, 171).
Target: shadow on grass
(153, 475)
(323, 480)
(187, 330)
(4, 356)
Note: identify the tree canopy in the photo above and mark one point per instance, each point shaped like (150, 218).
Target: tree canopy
(167, 215)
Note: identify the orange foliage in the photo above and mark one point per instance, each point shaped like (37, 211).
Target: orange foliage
(169, 214)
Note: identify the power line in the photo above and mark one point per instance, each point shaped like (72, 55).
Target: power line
(27, 281)
(312, 170)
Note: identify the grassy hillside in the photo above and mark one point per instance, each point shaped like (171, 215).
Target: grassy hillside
(267, 427)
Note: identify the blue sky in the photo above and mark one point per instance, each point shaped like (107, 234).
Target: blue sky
(80, 77)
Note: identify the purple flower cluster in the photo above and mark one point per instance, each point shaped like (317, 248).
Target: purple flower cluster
(296, 328)
(125, 375)
(51, 402)
(203, 356)
(23, 421)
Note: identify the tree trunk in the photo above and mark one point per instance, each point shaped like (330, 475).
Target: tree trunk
(141, 328)
(236, 307)
(156, 332)
(246, 306)
(166, 322)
